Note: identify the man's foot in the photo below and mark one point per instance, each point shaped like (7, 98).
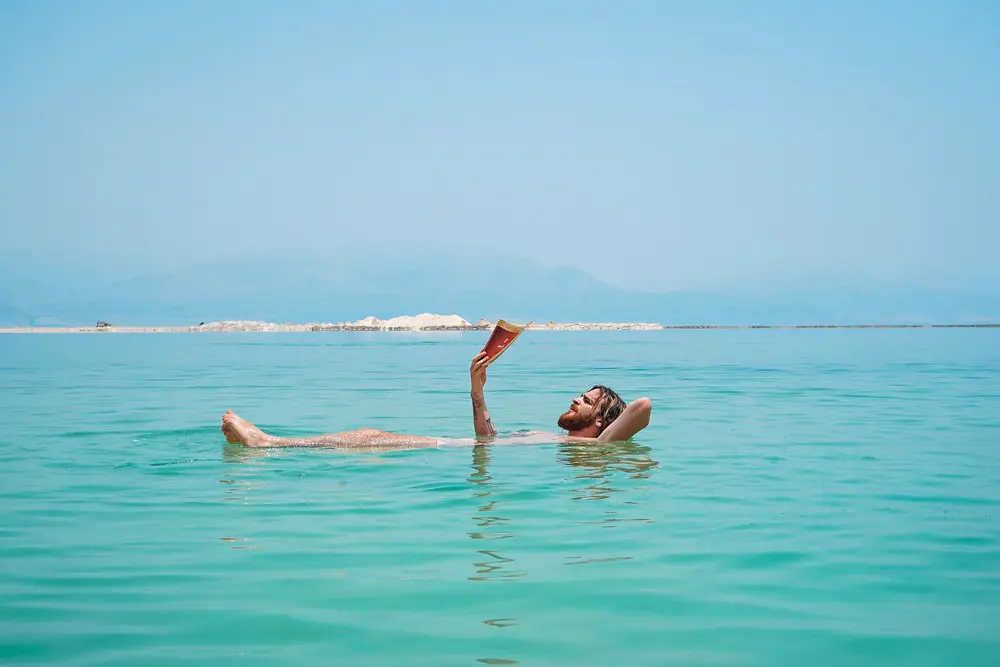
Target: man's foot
(240, 431)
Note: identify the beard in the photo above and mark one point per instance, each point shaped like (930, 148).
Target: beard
(573, 421)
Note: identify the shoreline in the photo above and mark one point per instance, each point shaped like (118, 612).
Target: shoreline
(270, 327)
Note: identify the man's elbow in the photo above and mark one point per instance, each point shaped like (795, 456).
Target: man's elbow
(643, 409)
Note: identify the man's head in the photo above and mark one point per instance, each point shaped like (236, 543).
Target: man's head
(592, 411)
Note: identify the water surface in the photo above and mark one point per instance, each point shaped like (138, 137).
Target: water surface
(828, 497)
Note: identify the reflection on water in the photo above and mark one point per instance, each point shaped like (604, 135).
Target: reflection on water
(239, 482)
(598, 464)
(495, 568)
(627, 457)
(241, 454)
(236, 542)
(605, 469)
(480, 467)
(495, 565)
(579, 560)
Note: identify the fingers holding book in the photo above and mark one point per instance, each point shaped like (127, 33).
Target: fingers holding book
(477, 371)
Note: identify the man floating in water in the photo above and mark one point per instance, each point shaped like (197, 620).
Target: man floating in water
(597, 415)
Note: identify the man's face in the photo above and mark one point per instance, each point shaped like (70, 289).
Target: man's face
(582, 412)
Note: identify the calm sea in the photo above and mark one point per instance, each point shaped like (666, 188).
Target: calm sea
(800, 498)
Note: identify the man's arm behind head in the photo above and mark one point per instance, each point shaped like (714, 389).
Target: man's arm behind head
(633, 419)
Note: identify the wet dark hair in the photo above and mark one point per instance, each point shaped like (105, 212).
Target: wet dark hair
(611, 405)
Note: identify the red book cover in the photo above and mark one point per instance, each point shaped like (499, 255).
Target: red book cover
(504, 334)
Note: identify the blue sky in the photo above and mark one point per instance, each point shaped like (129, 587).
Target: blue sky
(657, 145)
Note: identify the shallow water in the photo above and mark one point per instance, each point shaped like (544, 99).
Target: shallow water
(820, 496)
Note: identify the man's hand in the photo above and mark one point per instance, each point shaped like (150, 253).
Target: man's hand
(477, 372)
(480, 415)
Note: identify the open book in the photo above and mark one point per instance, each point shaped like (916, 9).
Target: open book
(504, 334)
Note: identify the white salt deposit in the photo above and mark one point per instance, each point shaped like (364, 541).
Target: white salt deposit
(416, 322)
(402, 323)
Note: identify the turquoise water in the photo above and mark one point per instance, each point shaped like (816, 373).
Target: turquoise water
(801, 497)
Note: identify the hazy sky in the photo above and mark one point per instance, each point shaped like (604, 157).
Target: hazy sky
(706, 145)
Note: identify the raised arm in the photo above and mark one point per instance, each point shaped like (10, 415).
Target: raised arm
(480, 415)
(633, 419)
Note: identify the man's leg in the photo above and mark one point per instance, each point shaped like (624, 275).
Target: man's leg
(240, 431)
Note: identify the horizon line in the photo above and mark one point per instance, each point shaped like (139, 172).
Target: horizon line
(272, 327)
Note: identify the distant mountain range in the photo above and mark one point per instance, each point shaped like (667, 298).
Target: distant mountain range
(390, 283)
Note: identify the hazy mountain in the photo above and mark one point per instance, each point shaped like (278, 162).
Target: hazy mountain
(11, 316)
(386, 283)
